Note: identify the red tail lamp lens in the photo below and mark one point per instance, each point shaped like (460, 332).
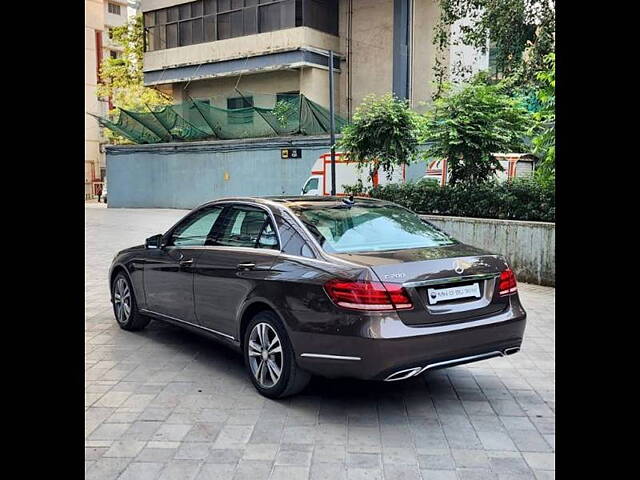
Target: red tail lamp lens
(369, 296)
(508, 284)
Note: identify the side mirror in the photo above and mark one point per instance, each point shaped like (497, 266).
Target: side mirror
(154, 242)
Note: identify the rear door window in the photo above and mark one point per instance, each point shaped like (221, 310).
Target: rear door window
(292, 242)
(248, 227)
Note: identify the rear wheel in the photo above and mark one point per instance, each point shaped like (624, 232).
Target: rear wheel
(270, 359)
(125, 307)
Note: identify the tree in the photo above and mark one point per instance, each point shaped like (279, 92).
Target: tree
(468, 125)
(523, 32)
(382, 134)
(544, 131)
(122, 78)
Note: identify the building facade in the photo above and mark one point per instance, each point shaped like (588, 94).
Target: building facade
(100, 17)
(208, 48)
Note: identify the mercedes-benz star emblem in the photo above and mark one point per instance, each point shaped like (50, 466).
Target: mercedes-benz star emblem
(459, 266)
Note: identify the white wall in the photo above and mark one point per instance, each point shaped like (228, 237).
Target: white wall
(465, 61)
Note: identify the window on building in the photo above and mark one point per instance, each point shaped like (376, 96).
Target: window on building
(114, 8)
(287, 96)
(321, 15)
(239, 116)
(211, 20)
(239, 102)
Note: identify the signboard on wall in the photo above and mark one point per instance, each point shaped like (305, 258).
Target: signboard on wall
(291, 153)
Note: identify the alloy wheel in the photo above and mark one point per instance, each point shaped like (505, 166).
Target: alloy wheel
(122, 299)
(265, 355)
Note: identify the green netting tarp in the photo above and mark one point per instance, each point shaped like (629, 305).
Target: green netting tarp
(194, 120)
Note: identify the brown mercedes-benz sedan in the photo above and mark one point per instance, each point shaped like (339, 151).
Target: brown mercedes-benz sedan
(322, 285)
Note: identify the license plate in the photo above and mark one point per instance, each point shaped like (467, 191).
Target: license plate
(436, 295)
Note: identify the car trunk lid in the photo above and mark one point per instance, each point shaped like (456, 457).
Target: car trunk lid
(446, 284)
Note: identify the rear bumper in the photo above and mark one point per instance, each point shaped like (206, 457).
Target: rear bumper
(386, 346)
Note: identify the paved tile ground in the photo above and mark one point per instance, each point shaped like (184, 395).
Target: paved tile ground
(166, 404)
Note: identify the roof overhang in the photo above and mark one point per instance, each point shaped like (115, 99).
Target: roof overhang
(301, 57)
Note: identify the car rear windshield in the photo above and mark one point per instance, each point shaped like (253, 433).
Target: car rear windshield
(368, 227)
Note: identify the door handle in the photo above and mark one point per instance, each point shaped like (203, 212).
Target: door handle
(185, 263)
(246, 266)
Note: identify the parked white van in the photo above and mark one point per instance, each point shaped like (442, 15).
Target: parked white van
(347, 173)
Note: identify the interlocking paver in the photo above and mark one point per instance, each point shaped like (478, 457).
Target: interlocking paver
(142, 471)
(324, 471)
(253, 470)
(164, 403)
(180, 470)
(193, 451)
(439, 474)
(261, 451)
(125, 448)
(541, 461)
(364, 474)
(213, 471)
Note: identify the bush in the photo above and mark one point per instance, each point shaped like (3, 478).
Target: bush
(518, 199)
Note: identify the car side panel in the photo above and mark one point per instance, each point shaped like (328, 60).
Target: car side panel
(295, 289)
(220, 287)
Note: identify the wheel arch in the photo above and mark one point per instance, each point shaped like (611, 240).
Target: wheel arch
(250, 310)
(114, 272)
(119, 267)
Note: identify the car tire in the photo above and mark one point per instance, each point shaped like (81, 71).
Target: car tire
(265, 333)
(125, 307)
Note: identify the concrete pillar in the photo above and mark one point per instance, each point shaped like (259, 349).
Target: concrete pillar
(314, 84)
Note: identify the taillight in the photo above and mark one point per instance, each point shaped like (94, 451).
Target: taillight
(368, 295)
(508, 284)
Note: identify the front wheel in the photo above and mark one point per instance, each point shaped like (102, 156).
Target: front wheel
(125, 307)
(270, 359)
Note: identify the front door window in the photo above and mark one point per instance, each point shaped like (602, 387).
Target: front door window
(195, 230)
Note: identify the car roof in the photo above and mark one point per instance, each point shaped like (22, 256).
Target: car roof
(297, 200)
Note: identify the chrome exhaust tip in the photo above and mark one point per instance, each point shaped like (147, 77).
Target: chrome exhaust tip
(511, 351)
(403, 374)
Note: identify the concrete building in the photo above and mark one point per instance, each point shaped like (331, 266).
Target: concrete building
(100, 17)
(279, 46)
(464, 60)
(269, 49)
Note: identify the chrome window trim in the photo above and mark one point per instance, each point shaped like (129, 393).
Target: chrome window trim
(292, 257)
(330, 357)
(268, 251)
(144, 310)
(438, 281)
